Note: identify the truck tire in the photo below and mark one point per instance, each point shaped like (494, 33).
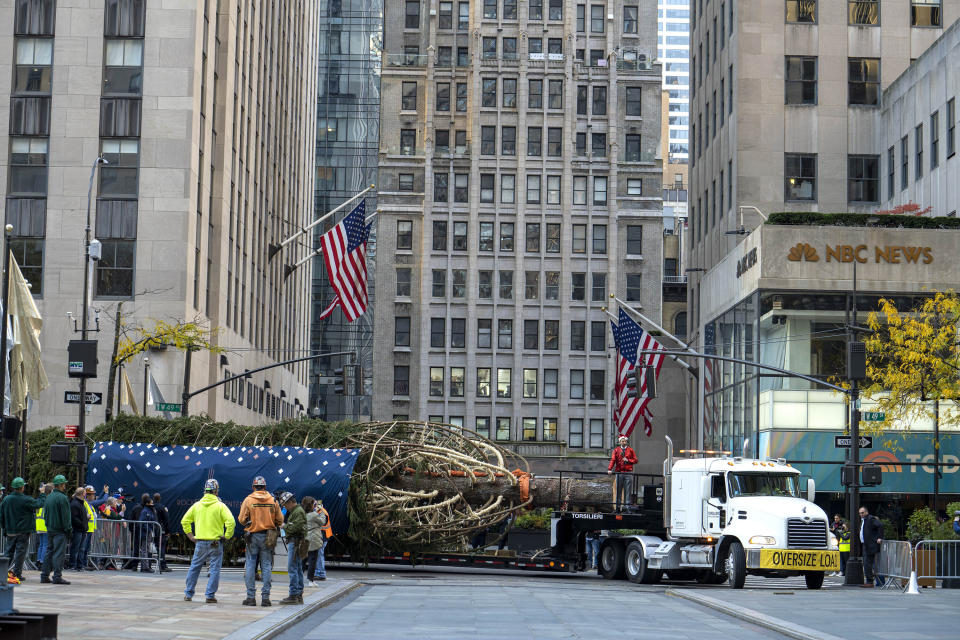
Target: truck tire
(736, 565)
(634, 563)
(611, 563)
(814, 579)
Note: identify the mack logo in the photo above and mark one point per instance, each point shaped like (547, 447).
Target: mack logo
(587, 516)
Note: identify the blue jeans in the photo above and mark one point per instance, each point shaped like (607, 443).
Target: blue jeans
(294, 567)
(76, 550)
(41, 546)
(593, 549)
(205, 551)
(257, 548)
(321, 571)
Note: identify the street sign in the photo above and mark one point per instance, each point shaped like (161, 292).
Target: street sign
(70, 430)
(167, 406)
(844, 442)
(73, 397)
(874, 416)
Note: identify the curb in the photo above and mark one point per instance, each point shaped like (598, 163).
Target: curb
(278, 622)
(788, 629)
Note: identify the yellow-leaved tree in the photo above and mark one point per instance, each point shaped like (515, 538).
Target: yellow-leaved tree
(913, 364)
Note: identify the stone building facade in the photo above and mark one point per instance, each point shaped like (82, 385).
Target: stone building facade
(205, 112)
(520, 185)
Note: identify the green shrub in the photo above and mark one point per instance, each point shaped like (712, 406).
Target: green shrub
(809, 218)
(537, 519)
(920, 524)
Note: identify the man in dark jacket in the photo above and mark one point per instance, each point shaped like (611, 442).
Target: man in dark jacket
(56, 515)
(163, 517)
(294, 530)
(78, 522)
(871, 537)
(133, 514)
(18, 520)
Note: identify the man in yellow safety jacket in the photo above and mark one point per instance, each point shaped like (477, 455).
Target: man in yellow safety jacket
(844, 542)
(41, 525)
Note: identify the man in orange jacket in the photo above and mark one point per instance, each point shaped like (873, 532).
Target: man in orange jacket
(622, 460)
(259, 514)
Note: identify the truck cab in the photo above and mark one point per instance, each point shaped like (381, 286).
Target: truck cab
(726, 517)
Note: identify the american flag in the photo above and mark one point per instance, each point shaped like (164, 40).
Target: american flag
(709, 404)
(345, 254)
(630, 338)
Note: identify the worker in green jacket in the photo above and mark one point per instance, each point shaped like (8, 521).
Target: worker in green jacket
(56, 515)
(209, 523)
(295, 531)
(18, 521)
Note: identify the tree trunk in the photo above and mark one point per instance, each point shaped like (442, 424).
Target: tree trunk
(546, 492)
(113, 361)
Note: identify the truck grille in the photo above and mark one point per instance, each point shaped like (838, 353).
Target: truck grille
(806, 535)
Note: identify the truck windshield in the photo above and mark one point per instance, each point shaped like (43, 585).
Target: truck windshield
(763, 484)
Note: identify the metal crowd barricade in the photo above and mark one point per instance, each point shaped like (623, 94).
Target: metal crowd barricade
(30, 561)
(940, 561)
(895, 563)
(129, 541)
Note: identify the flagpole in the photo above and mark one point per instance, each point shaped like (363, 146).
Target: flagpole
(290, 268)
(274, 249)
(654, 325)
(674, 358)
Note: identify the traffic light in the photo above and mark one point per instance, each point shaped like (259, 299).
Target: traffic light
(632, 384)
(340, 381)
(650, 374)
(358, 380)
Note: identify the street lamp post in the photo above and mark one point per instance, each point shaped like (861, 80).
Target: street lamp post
(5, 271)
(86, 307)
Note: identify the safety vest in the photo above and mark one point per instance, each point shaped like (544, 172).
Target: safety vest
(845, 543)
(41, 523)
(325, 526)
(91, 517)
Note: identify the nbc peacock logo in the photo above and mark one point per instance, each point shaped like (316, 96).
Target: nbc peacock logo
(887, 461)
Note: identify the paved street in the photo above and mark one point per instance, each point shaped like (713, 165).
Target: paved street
(435, 605)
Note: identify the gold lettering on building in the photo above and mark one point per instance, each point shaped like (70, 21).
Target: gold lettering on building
(890, 254)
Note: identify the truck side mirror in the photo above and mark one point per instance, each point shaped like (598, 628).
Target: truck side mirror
(811, 490)
(717, 489)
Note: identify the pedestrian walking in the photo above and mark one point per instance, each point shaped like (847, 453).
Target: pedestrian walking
(295, 529)
(326, 529)
(261, 517)
(622, 459)
(871, 537)
(163, 517)
(56, 514)
(18, 521)
(209, 523)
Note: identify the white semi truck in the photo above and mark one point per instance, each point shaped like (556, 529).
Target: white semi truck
(724, 518)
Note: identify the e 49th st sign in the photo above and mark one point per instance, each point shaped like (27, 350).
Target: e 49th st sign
(890, 254)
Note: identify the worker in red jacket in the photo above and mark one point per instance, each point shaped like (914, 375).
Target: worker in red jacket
(622, 460)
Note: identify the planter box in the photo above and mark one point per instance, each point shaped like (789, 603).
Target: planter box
(528, 539)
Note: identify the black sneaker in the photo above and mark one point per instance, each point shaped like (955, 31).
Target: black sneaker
(188, 598)
(291, 600)
(265, 602)
(211, 601)
(60, 581)
(45, 580)
(249, 602)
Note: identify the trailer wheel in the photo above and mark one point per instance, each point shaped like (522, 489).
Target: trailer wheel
(635, 564)
(611, 561)
(736, 565)
(814, 579)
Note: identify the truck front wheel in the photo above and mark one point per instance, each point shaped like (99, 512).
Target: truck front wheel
(814, 579)
(736, 565)
(611, 561)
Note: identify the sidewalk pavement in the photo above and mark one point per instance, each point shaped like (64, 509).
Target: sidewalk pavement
(837, 612)
(112, 604)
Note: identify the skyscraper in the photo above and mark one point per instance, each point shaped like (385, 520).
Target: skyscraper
(205, 114)
(348, 127)
(673, 39)
(520, 185)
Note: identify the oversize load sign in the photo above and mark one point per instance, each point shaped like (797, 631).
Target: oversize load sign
(799, 560)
